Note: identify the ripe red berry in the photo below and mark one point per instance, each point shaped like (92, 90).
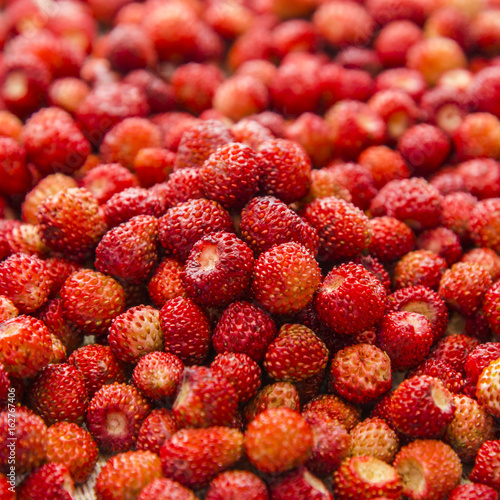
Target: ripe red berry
(484, 222)
(486, 466)
(50, 480)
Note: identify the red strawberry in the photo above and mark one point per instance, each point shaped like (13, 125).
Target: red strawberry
(375, 267)
(451, 378)
(166, 283)
(129, 251)
(7, 490)
(336, 408)
(343, 230)
(72, 446)
(456, 210)
(244, 328)
(251, 132)
(419, 268)
(158, 374)
(422, 300)
(491, 309)
(218, 270)
(295, 342)
(31, 440)
(484, 223)
(7, 309)
(277, 395)
(153, 165)
(114, 416)
(324, 185)
(422, 407)
(205, 398)
(285, 278)
(391, 238)
(186, 330)
(71, 223)
(487, 388)
(157, 427)
(165, 488)
(487, 258)
(360, 373)
(473, 491)
(25, 346)
(59, 270)
(442, 241)
(487, 465)
(454, 349)
(237, 484)
(98, 366)
(406, 337)
(194, 457)
(278, 439)
(13, 167)
(267, 221)
(241, 371)
(59, 394)
(184, 224)
(479, 358)
(184, 185)
(126, 474)
(366, 477)
(49, 481)
(430, 469)
(299, 484)
(350, 299)
(25, 280)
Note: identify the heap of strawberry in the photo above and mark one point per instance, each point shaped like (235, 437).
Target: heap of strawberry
(250, 249)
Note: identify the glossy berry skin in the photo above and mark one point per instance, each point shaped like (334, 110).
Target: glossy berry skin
(473, 491)
(166, 283)
(71, 223)
(186, 330)
(13, 167)
(267, 221)
(360, 373)
(301, 485)
(422, 407)
(49, 481)
(343, 229)
(484, 222)
(491, 308)
(350, 299)
(486, 466)
(218, 270)
(285, 278)
(114, 416)
(487, 388)
(205, 398)
(194, 457)
(391, 239)
(419, 268)
(165, 488)
(104, 300)
(230, 175)
(183, 225)
(430, 469)
(277, 440)
(129, 251)
(292, 343)
(237, 483)
(59, 394)
(157, 428)
(453, 380)
(487, 258)
(6, 490)
(406, 337)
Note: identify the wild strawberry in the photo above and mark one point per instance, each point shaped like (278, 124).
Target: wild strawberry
(184, 185)
(454, 349)
(237, 483)
(10, 125)
(250, 132)
(98, 366)
(72, 446)
(278, 439)
(7, 309)
(156, 428)
(129, 251)
(336, 303)
(479, 358)
(7, 490)
(30, 433)
(487, 388)
(27, 238)
(366, 477)
(456, 212)
(153, 165)
(487, 464)
(64, 211)
(126, 474)
(104, 299)
(360, 373)
(484, 222)
(441, 241)
(463, 287)
(194, 457)
(422, 407)
(108, 104)
(323, 185)
(336, 407)
(50, 480)
(285, 170)
(473, 491)
(285, 278)
(301, 485)
(375, 267)
(488, 258)
(25, 346)
(476, 137)
(183, 225)
(405, 32)
(470, 428)
(67, 93)
(491, 308)
(158, 374)
(205, 398)
(331, 443)
(447, 181)
(13, 167)
(435, 367)
(391, 239)
(165, 488)
(25, 280)
(413, 201)
(277, 395)
(430, 469)
(267, 221)
(59, 270)
(58, 394)
(419, 268)
(166, 282)
(114, 416)
(295, 342)
(186, 330)
(241, 371)
(422, 300)
(481, 177)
